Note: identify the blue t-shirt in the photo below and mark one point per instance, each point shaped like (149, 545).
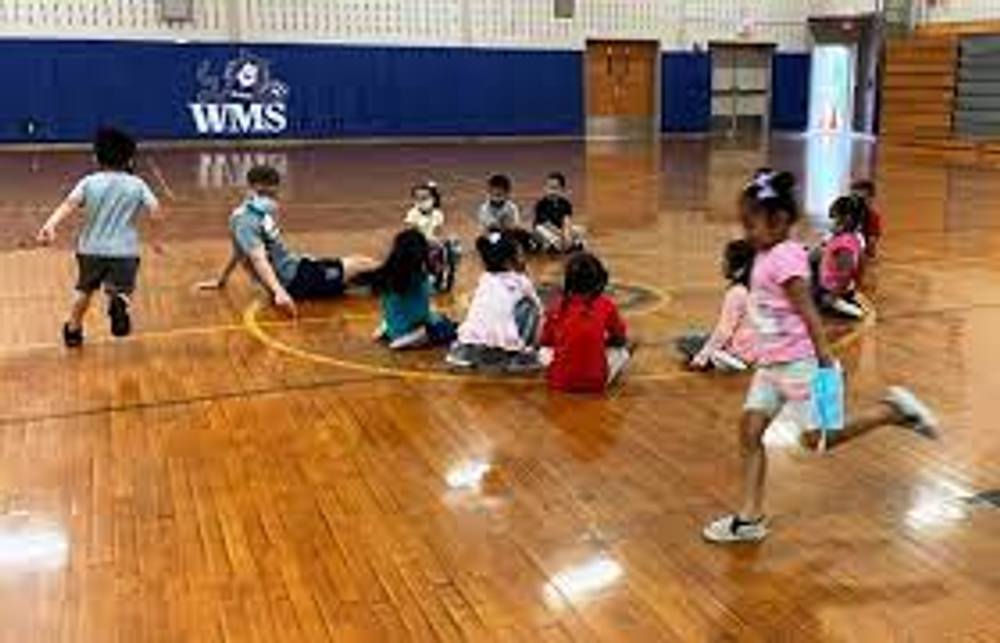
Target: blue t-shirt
(112, 202)
(405, 312)
(253, 225)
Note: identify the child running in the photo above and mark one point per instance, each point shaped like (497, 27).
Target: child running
(584, 332)
(427, 217)
(403, 286)
(872, 225)
(554, 229)
(791, 345)
(107, 250)
(841, 260)
(259, 247)
(732, 346)
(501, 328)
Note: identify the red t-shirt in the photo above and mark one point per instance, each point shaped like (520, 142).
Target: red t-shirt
(579, 332)
(873, 229)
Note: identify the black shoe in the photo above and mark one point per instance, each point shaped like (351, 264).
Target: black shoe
(72, 338)
(121, 323)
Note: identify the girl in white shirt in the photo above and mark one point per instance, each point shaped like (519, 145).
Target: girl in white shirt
(427, 217)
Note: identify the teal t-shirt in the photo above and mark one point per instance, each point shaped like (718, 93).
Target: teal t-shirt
(112, 202)
(403, 313)
(253, 225)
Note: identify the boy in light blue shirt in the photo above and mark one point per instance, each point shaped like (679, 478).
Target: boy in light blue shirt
(107, 250)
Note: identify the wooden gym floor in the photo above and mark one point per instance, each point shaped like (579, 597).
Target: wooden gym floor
(226, 475)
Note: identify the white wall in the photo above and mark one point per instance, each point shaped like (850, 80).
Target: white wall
(507, 23)
(961, 10)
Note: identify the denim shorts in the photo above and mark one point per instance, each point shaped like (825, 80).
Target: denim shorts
(784, 387)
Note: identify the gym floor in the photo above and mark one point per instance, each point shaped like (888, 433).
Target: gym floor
(229, 475)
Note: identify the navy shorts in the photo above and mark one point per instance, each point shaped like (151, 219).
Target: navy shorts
(115, 274)
(318, 279)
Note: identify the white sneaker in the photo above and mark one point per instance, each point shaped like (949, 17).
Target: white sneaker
(413, 339)
(727, 363)
(918, 415)
(733, 529)
(847, 309)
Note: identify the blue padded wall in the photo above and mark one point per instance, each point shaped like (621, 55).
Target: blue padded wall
(790, 97)
(686, 87)
(69, 88)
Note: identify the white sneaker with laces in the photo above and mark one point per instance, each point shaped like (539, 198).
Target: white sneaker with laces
(733, 529)
(919, 416)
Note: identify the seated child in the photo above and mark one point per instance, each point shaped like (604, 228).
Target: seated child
(732, 345)
(840, 261)
(871, 228)
(554, 229)
(427, 217)
(402, 283)
(583, 333)
(500, 214)
(501, 327)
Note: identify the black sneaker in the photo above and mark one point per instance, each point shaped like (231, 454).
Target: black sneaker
(121, 323)
(72, 338)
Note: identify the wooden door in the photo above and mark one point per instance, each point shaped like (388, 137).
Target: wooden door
(621, 78)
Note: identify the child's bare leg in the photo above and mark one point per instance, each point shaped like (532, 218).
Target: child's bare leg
(754, 456)
(874, 418)
(355, 265)
(81, 303)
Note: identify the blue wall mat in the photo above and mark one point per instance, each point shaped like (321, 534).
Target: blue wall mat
(790, 102)
(686, 92)
(70, 87)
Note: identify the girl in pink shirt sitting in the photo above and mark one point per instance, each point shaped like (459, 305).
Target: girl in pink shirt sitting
(732, 346)
(840, 264)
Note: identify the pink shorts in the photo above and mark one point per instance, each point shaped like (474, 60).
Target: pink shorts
(784, 387)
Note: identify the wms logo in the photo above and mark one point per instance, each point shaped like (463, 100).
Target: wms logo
(245, 99)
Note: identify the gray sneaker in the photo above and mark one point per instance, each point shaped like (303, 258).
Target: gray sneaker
(733, 529)
(919, 417)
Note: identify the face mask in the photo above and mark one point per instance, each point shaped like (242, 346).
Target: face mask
(497, 202)
(425, 205)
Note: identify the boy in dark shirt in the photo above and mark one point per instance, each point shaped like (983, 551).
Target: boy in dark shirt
(554, 230)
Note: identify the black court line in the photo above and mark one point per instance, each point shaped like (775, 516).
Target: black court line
(197, 399)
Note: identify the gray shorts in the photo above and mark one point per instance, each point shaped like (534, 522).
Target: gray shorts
(116, 274)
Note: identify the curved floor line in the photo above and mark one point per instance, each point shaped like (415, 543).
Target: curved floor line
(256, 329)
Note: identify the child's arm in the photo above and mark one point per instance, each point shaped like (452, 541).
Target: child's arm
(262, 268)
(156, 221)
(47, 233)
(734, 307)
(223, 278)
(797, 291)
(616, 330)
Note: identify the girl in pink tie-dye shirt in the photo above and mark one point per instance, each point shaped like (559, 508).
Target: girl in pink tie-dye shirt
(791, 347)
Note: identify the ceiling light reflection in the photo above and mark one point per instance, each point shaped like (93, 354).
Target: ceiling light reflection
(468, 474)
(579, 582)
(938, 505)
(30, 545)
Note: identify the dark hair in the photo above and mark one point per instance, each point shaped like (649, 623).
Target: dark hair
(431, 187)
(852, 210)
(405, 266)
(500, 182)
(585, 276)
(498, 250)
(866, 186)
(558, 177)
(114, 149)
(739, 256)
(264, 175)
(774, 195)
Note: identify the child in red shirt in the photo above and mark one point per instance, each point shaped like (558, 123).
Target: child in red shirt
(584, 332)
(872, 225)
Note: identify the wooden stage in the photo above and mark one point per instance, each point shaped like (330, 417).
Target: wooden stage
(226, 475)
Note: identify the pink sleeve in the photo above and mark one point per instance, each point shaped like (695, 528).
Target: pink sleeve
(734, 307)
(788, 262)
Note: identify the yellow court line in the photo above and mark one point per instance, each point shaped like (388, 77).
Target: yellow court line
(256, 329)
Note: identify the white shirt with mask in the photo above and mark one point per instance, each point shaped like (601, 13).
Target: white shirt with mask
(427, 220)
